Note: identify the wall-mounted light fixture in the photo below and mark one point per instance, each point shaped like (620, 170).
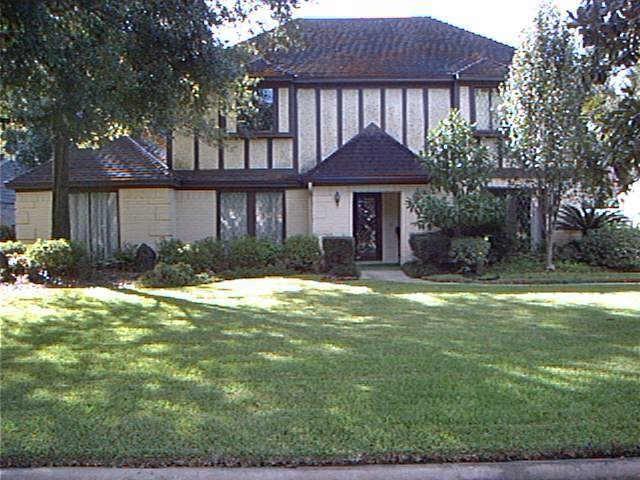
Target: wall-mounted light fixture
(336, 197)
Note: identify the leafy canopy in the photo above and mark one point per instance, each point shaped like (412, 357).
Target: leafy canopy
(459, 168)
(457, 163)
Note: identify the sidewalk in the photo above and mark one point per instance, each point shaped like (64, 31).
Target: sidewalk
(596, 469)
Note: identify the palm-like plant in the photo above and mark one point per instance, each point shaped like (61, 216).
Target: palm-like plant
(586, 218)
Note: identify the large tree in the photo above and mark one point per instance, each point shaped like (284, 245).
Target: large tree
(610, 33)
(548, 137)
(79, 71)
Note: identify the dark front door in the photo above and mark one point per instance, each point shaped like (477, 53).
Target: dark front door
(367, 225)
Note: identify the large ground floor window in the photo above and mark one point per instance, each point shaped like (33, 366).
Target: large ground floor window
(259, 214)
(94, 222)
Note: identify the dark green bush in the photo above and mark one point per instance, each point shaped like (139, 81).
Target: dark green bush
(125, 257)
(172, 250)
(470, 254)
(432, 247)
(58, 258)
(208, 254)
(503, 244)
(7, 233)
(616, 247)
(171, 275)
(570, 251)
(419, 269)
(250, 252)
(301, 253)
(340, 256)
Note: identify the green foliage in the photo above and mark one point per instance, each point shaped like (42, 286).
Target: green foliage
(7, 233)
(456, 161)
(503, 244)
(430, 248)
(570, 251)
(419, 269)
(84, 72)
(171, 275)
(12, 247)
(470, 253)
(339, 256)
(586, 218)
(541, 111)
(250, 252)
(208, 254)
(125, 257)
(301, 253)
(616, 247)
(58, 258)
(473, 214)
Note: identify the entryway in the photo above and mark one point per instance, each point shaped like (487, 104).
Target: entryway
(376, 226)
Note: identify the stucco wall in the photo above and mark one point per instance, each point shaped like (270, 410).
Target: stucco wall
(183, 151)
(147, 215)
(33, 215)
(283, 110)
(195, 214)
(331, 219)
(233, 154)
(393, 112)
(307, 157)
(415, 119)
(439, 105)
(297, 206)
(207, 155)
(258, 153)
(282, 153)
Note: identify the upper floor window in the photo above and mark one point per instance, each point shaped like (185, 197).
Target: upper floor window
(487, 100)
(262, 117)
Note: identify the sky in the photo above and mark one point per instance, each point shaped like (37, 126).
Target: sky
(501, 20)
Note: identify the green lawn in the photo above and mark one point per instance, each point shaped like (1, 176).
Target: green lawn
(276, 370)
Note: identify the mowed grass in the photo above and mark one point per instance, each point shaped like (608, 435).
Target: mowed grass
(296, 370)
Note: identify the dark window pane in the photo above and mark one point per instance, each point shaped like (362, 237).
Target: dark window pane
(262, 118)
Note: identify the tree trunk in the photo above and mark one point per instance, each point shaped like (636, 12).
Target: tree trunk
(60, 226)
(549, 229)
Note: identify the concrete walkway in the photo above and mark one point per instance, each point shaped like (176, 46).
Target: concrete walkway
(619, 469)
(387, 275)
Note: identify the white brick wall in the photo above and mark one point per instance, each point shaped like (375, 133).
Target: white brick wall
(147, 215)
(33, 215)
(195, 214)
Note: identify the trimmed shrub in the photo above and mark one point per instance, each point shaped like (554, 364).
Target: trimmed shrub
(503, 244)
(172, 250)
(171, 275)
(208, 254)
(613, 247)
(419, 269)
(301, 253)
(470, 253)
(340, 256)
(58, 258)
(7, 233)
(432, 247)
(250, 252)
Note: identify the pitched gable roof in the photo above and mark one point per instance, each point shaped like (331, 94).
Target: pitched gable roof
(121, 162)
(407, 48)
(372, 156)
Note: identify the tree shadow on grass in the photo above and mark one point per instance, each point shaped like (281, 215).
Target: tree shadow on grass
(319, 373)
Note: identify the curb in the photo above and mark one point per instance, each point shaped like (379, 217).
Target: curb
(590, 469)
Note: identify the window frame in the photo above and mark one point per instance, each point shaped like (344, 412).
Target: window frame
(251, 210)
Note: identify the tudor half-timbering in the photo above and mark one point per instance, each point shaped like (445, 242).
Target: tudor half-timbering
(331, 152)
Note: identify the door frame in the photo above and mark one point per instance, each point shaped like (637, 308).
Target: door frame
(378, 226)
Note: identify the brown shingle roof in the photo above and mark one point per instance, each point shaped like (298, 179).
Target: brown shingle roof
(121, 162)
(402, 48)
(372, 156)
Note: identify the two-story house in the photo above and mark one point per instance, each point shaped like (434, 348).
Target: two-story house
(333, 150)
